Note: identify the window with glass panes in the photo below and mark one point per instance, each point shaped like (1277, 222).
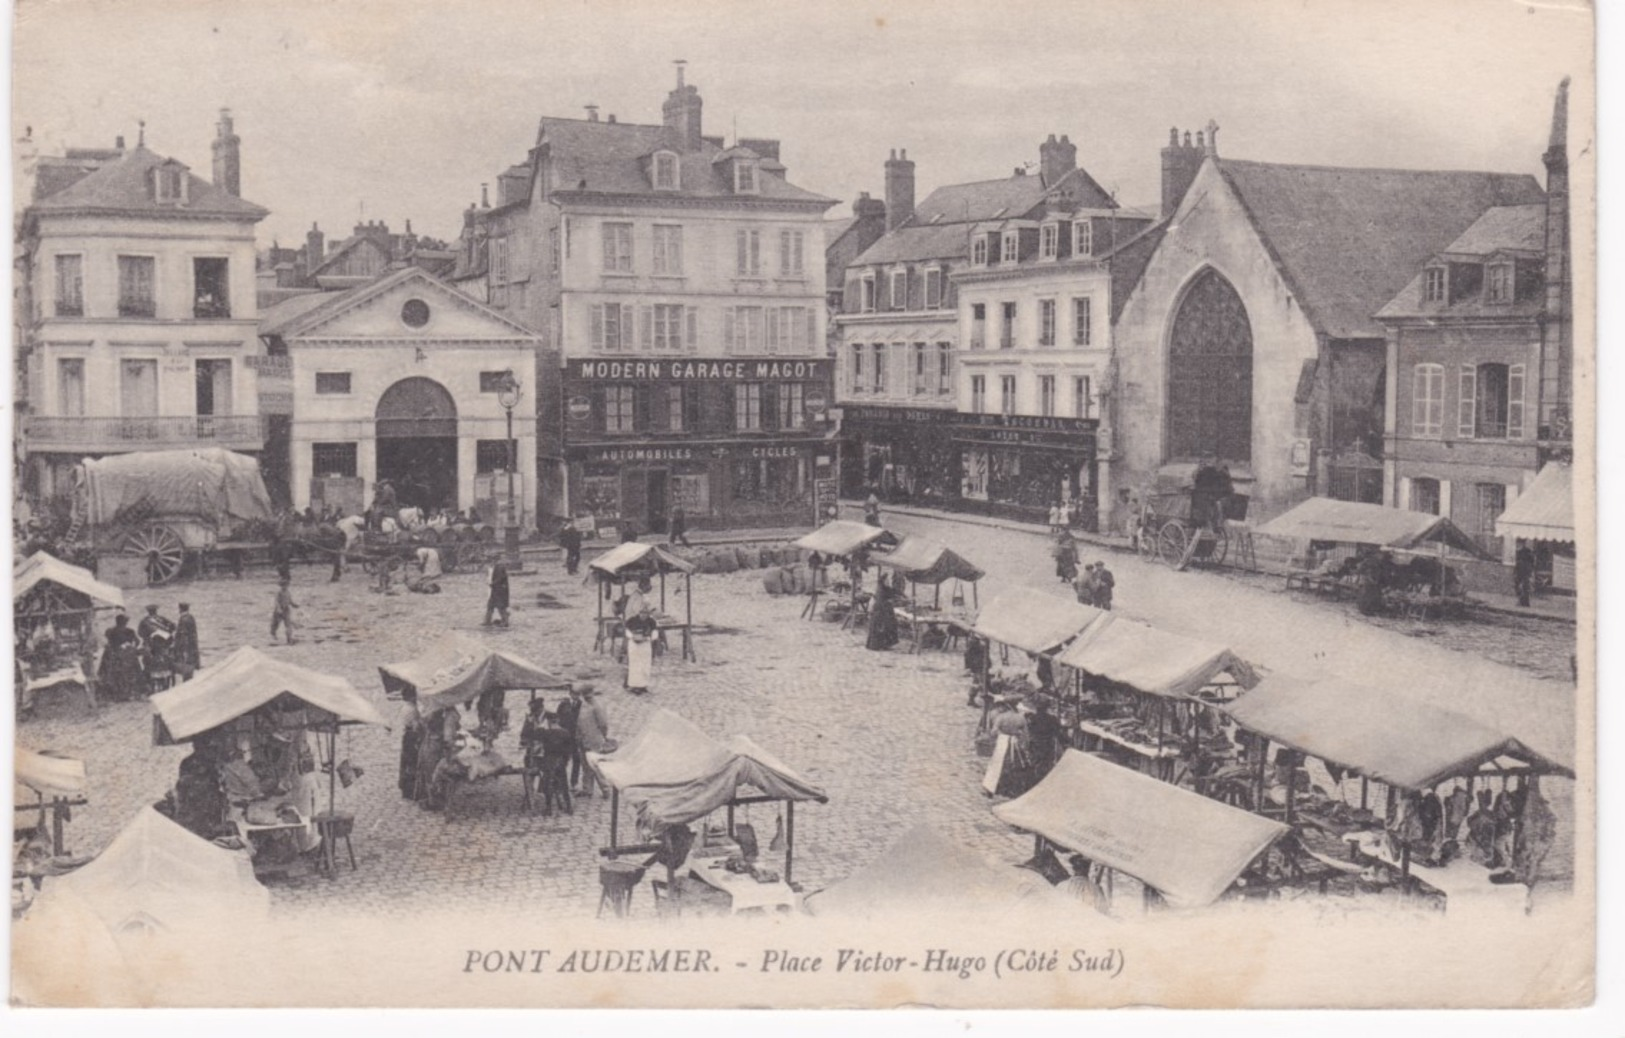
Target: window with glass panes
(1007, 394)
(945, 369)
(1081, 314)
(668, 246)
(620, 409)
(921, 374)
(70, 286)
(668, 326)
(933, 288)
(748, 253)
(1083, 238)
(1080, 396)
(792, 259)
(978, 394)
(1007, 330)
(1046, 395)
(136, 275)
(878, 380)
(792, 405)
(1049, 238)
(1046, 322)
(618, 248)
(855, 369)
(747, 406)
(1427, 400)
(333, 459)
(1433, 284)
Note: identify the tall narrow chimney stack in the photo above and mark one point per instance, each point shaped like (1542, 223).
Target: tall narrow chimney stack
(227, 156)
(899, 189)
(682, 114)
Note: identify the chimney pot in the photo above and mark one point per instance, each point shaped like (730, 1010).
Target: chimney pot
(1187, 138)
(899, 189)
(1173, 136)
(592, 113)
(612, 117)
(485, 196)
(118, 142)
(1051, 139)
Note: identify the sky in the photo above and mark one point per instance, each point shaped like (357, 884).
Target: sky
(361, 109)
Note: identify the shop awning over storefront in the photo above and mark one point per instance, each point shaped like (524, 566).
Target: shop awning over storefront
(634, 558)
(1184, 845)
(49, 774)
(1152, 661)
(924, 561)
(458, 668)
(925, 872)
(41, 568)
(1544, 512)
(673, 773)
(247, 680)
(842, 537)
(1352, 522)
(1033, 621)
(1379, 734)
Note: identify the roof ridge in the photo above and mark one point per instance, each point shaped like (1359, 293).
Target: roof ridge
(1320, 167)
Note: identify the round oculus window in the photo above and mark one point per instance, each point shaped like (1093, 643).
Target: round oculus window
(415, 313)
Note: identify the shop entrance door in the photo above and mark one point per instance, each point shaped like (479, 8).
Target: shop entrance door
(656, 501)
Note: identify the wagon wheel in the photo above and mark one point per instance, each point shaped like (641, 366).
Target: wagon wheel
(1221, 545)
(1171, 542)
(161, 547)
(1148, 540)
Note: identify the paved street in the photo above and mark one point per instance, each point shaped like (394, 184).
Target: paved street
(886, 734)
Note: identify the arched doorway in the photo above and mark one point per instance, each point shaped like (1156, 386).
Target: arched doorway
(417, 443)
(1210, 374)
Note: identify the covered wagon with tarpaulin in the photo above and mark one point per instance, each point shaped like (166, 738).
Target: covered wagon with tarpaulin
(1178, 845)
(1185, 512)
(1140, 695)
(1412, 750)
(251, 707)
(1541, 519)
(1369, 536)
(164, 508)
(672, 773)
(920, 560)
(850, 543)
(635, 561)
(454, 671)
(55, 609)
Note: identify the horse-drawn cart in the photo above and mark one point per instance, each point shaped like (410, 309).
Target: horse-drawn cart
(165, 508)
(1183, 515)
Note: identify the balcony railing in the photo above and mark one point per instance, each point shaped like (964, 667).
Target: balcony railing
(41, 431)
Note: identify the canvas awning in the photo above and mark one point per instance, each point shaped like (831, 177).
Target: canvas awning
(1544, 512)
(155, 874)
(458, 668)
(1033, 621)
(1152, 661)
(249, 679)
(1184, 845)
(49, 774)
(1379, 734)
(924, 561)
(41, 568)
(925, 872)
(1352, 522)
(635, 558)
(673, 773)
(842, 537)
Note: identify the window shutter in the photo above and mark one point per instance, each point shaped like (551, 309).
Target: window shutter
(648, 317)
(730, 318)
(772, 329)
(1467, 407)
(812, 330)
(739, 241)
(692, 330)
(598, 326)
(1515, 391)
(1419, 400)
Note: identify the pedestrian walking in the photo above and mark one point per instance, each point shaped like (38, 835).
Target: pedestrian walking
(1523, 574)
(1084, 587)
(1104, 583)
(678, 528)
(558, 747)
(570, 541)
(871, 509)
(1066, 558)
(282, 557)
(187, 660)
(122, 673)
(592, 736)
(569, 711)
(282, 611)
(498, 601)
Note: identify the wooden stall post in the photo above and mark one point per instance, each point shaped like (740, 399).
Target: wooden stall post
(789, 838)
(614, 817)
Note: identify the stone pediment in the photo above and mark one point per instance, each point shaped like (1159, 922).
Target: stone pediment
(407, 305)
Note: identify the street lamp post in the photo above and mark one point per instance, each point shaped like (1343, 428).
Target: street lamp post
(509, 396)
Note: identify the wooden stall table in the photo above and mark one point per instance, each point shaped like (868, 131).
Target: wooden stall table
(745, 891)
(1461, 879)
(1157, 761)
(665, 622)
(923, 620)
(505, 772)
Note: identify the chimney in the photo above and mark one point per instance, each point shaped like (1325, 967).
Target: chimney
(1557, 328)
(866, 208)
(592, 113)
(118, 142)
(612, 118)
(1180, 163)
(682, 114)
(315, 246)
(1056, 158)
(227, 156)
(485, 196)
(899, 189)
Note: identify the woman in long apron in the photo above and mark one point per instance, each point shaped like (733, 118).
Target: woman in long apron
(640, 632)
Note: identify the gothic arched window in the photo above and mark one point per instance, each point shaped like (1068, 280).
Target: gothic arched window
(1210, 375)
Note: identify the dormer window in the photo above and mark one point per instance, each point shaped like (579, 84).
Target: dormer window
(1010, 247)
(1498, 282)
(978, 250)
(666, 171)
(1049, 241)
(744, 178)
(1433, 285)
(169, 183)
(1083, 238)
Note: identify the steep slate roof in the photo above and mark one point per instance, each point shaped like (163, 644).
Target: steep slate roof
(611, 159)
(1346, 240)
(1128, 263)
(942, 241)
(122, 186)
(1512, 228)
(833, 229)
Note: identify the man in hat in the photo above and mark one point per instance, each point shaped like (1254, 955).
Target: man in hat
(592, 736)
(1104, 583)
(557, 749)
(570, 541)
(497, 602)
(282, 611)
(187, 660)
(568, 713)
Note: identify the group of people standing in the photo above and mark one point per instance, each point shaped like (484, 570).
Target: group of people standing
(134, 662)
(1094, 585)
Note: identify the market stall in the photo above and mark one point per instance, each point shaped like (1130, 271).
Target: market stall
(1413, 750)
(1185, 847)
(925, 874)
(57, 786)
(637, 561)
(54, 617)
(920, 560)
(251, 716)
(1031, 621)
(1541, 520)
(670, 774)
(457, 670)
(842, 539)
(1140, 695)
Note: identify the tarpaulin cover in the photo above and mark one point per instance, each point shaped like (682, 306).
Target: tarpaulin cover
(673, 773)
(212, 484)
(50, 774)
(1150, 660)
(633, 557)
(1382, 735)
(1033, 621)
(157, 874)
(1185, 845)
(1544, 512)
(457, 668)
(247, 680)
(1353, 522)
(842, 537)
(924, 871)
(924, 561)
(41, 568)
